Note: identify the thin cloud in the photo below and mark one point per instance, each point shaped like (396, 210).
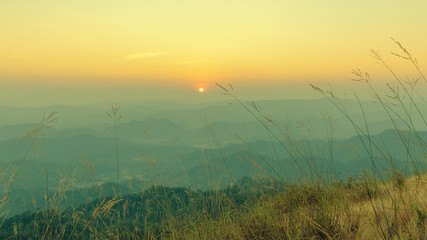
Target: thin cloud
(136, 56)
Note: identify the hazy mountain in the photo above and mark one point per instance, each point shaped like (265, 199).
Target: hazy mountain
(200, 145)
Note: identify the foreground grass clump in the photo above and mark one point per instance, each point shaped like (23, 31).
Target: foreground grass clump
(338, 211)
(307, 211)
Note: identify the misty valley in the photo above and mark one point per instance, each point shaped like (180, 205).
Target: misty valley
(194, 146)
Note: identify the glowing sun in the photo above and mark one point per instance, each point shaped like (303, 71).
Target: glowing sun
(201, 89)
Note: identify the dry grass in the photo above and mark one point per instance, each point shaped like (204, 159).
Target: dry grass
(336, 214)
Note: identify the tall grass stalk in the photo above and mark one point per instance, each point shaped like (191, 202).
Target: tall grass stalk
(114, 115)
(32, 138)
(405, 135)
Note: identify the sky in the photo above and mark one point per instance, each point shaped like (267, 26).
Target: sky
(171, 48)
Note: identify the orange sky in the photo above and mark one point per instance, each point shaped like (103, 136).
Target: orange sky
(194, 42)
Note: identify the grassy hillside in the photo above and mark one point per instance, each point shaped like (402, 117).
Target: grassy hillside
(356, 209)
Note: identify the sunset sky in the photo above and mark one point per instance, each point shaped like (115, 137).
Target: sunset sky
(189, 44)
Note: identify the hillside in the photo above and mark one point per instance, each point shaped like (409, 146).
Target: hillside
(357, 209)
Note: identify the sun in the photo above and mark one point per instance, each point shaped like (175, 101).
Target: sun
(201, 90)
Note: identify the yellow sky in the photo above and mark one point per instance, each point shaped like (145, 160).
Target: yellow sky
(190, 42)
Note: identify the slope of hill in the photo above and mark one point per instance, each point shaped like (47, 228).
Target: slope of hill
(361, 208)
